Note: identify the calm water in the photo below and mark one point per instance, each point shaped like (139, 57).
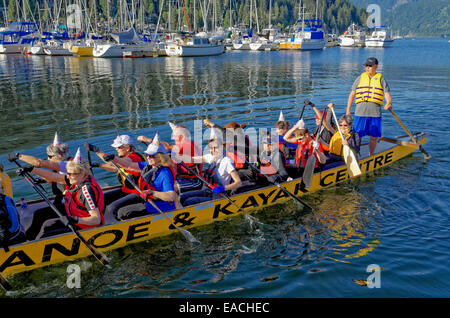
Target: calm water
(396, 218)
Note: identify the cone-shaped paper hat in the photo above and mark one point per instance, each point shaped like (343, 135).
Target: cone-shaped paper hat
(56, 141)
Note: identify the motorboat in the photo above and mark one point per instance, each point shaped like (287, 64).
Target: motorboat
(18, 36)
(354, 36)
(380, 37)
(197, 45)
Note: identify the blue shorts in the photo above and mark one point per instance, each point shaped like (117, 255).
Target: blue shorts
(367, 126)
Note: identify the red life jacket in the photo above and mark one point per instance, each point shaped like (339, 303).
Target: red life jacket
(74, 207)
(189, 148)
(267, 168)
(237, 157)
(134, 175)
(210, 174)
(303, 152)
(148, 175)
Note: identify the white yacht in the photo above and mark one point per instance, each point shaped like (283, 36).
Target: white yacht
(57, 48)
(269, 40)
(122, 42)
(380, 37)
(198, 45)
(354, 36)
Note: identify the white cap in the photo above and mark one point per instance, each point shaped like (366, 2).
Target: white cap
(78, 158)
(155, 147)
(56, 141)
(122, 140)
(281, 116)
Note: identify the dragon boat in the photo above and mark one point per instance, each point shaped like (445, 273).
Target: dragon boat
(67, 247)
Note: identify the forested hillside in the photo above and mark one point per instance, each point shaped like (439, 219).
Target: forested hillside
(336, 14)
(414, 17)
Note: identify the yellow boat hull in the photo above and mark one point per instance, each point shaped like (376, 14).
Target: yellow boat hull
(83, 50)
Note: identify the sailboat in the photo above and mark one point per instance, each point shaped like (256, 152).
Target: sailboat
(269, 39)
(308, 35)
(122, 42)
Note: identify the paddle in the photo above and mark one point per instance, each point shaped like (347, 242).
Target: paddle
(400, 142)
(425, 154)
(348, 154)
(86, 146)
(98, 255)
(186, 234)
(311, 163)
(274, 183)
(13, 158)
(249, 217)
(4, 283)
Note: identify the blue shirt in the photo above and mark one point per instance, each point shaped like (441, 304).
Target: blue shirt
(163, 183)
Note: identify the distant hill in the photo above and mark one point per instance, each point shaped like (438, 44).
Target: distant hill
(428, 18)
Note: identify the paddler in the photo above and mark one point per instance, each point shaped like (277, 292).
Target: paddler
(369, 91)
(184, 146)
(57, 157)
(272, 160)
(11, 231)
(83, 197)
(221, 175)
(351, 139)
(326, 130)
(305, 147)
(127, 194)
(238, 145)
(5, 182)
(288, 149)
(156, 180)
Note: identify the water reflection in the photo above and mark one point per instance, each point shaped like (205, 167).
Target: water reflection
(339, 223)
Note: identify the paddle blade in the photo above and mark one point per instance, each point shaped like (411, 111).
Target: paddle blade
(191, 238)
(4, 283)
(309, 171)
(351, 162)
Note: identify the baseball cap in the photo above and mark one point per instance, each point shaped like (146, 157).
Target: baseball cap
(371, 61)
(122, 140)
(267, 139)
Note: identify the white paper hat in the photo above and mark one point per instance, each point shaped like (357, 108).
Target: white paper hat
(281, 116)
(56, 141)
(155, 147)
(78, 158)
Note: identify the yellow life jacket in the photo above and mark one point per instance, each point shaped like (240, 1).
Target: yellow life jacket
(5, 184)
(370, 89)
(336, 143)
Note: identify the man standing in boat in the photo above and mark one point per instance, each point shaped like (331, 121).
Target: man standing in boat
(369, 91)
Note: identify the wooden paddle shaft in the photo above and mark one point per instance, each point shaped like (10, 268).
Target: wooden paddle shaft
(404, 127)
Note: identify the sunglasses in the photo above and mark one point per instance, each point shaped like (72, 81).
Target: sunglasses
(151, 156)
(50, 156)
(343, 125)
(72, 173)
